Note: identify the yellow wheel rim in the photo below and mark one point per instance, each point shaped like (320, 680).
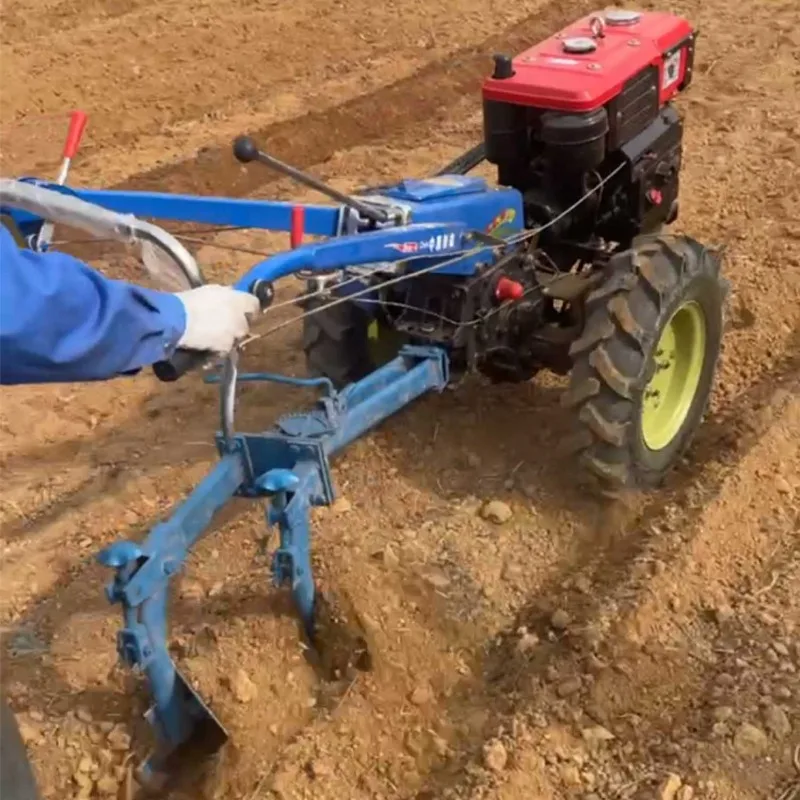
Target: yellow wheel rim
(383, 343)
(679, 359)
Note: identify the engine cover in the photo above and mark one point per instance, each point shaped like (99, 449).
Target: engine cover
(591, 62)
(583, 126)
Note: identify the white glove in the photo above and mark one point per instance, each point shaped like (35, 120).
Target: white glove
(217, 317)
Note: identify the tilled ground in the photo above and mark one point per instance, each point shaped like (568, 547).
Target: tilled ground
(572, 651)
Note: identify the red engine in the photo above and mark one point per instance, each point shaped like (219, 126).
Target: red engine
(588, 111)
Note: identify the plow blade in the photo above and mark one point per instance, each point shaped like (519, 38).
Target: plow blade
(168, 764)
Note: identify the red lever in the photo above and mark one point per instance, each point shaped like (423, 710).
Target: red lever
(77, 122)
(298, 226)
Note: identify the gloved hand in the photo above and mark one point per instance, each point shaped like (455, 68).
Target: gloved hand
(217, 317)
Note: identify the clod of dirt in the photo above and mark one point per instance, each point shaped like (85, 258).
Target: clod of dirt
(414, 743)
(560, 620)
(422, 695)
(570, 775)
(685, 793)
(242, 688)
(750, 741)
(119, 740)
(722, 713)
(720, 730)
(726, 680)
(495, 756)
(17, 690)
(527, 641)
(777, 721)
(539, 720)
(341, 505)
(107, 786)
(436, 578)
(192, 591)
(320, 768)
(668, 790)
(596, 735)
(84, 783)
(568, 687)
(85, 765)
(440, 746)
(284, 779)
(723, 613)
(512, 570)
(595, 665)
(390, 557)
(497, 511)
(781, 649)
(30, 733)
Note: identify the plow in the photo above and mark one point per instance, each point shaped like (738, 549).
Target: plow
(563, 263)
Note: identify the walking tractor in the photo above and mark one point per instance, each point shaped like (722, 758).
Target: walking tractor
(565, 264)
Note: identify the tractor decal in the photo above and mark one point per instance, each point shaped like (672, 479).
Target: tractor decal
(501, 225)
(404, 247)
(435, 244)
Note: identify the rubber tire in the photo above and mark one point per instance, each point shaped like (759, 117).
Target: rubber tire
(336, 342)
(17, 781)
(613, 359)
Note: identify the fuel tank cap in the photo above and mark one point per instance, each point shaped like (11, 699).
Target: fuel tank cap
(579, 44)
(619, 16)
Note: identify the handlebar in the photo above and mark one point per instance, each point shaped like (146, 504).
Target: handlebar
(184, 361)
(181, 362)
(62, 207)
(67, 209)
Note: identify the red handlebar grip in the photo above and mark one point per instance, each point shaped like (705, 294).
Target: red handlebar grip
(77, 122)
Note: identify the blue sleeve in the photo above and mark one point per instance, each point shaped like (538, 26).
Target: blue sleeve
(61, 321)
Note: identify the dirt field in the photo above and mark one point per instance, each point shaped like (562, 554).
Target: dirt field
(650, 651)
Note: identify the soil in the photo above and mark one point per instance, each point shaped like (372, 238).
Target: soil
(649, 649)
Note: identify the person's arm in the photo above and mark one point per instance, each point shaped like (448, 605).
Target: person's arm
(62, 321)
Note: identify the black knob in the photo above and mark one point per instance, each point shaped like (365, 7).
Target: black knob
(265, 292)
(245, 149)
(503, 67)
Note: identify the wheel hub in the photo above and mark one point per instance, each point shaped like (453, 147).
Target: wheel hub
(679, 358)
